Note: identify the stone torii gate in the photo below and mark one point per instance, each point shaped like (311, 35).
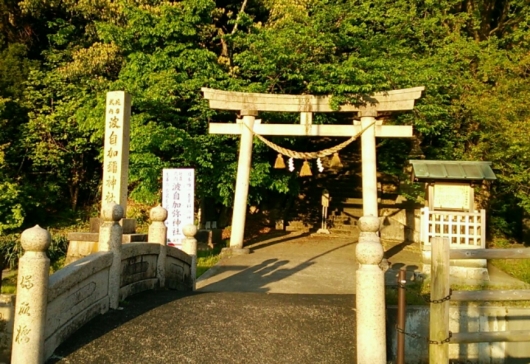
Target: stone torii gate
(370, 300)
(249, 104)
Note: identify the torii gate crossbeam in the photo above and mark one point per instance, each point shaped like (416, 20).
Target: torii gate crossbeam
(370, 298)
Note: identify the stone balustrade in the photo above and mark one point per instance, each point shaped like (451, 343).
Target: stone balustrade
(51, 308)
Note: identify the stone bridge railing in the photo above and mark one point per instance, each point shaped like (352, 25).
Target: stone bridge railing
(51, 308)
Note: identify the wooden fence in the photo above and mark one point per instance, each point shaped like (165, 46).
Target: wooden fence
(463, 229)
(439, 334)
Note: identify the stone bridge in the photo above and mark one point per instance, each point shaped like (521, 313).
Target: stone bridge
(50, 308)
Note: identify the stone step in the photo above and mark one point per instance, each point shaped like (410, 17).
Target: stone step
(342, 225)
(352, 212)
(345, 193)
(353, 201)
(353, 231)
(297, 225)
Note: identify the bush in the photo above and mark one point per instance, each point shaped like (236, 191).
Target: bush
(11, 251)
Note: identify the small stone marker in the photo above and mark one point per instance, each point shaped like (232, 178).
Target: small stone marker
(116, 158)
(325, 204)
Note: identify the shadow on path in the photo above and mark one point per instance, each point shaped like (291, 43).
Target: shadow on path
(396, 249)
(257, 277)
(273, 239)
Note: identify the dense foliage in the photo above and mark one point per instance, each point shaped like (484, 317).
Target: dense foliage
(59, 58)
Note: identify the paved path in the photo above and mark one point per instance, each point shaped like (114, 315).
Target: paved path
(290, 301)
(289, 263)
(254, 328)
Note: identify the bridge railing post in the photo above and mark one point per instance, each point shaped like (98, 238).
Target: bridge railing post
(189, 246)
(32, 298)
(110, 237)
(158, 235)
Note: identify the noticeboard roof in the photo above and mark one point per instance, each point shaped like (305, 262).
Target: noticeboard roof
(451, 170)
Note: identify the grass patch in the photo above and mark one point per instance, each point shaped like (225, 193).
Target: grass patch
(208, 258)
(9, 284)
(517, 268)
(415, 294)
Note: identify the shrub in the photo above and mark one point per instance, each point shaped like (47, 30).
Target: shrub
(11, 250)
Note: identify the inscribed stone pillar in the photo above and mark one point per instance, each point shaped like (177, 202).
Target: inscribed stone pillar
(32, 297)
(242, 181)
(116, 152)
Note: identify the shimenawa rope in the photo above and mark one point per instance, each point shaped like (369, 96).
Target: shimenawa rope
(309, 155)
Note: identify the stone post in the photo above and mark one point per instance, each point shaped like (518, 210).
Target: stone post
(116, 156)
(189, 246)
(110, 235)
(158, 235)
(242, 181)
(370, 294)
(369, 165)
(32, 297)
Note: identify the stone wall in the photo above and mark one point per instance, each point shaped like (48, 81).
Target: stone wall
(76, 294)
(400, 223)
(178, 270)
(138, 268)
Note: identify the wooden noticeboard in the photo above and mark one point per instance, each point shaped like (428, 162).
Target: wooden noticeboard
(451, 196)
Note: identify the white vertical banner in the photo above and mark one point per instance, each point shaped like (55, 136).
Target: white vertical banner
(178, 196)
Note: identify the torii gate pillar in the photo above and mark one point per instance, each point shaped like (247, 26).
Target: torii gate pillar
(369, 165)
(242, 181)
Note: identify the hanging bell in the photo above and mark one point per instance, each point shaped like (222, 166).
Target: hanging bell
(335, 161)
(279, 164)
(306, 170)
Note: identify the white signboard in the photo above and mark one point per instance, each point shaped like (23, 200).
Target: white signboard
(178, 194)
(452, 196)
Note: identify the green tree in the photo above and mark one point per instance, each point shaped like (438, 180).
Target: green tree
(472, 57)
(14, 69)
